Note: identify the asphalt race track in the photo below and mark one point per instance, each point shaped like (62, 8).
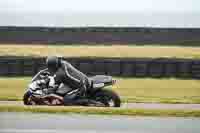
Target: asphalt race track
(60, 123)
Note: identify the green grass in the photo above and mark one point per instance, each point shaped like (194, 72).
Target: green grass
(100, 111)
(13, 88)
(129, 89)
(100, 51)
(158, 90)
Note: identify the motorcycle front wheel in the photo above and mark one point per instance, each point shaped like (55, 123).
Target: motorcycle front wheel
(26, 98)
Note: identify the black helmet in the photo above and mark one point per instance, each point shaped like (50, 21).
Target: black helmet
(52, 63)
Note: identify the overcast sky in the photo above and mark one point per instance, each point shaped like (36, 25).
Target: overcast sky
(153, 13)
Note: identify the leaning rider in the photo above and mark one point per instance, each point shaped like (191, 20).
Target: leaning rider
(65, 73)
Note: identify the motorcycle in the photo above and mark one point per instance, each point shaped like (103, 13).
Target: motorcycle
(96, 95)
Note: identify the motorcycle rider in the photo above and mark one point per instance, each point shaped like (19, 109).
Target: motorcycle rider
(65, 73)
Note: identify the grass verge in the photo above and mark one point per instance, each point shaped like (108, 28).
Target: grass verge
(110, 51)
(130, 89)
(101, 111)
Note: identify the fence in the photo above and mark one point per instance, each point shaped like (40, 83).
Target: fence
(99, 35)
(133, 67)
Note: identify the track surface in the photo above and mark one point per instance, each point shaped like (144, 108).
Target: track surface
(134, 105)
(59, 123)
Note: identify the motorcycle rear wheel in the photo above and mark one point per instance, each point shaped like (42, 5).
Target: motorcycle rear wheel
(108, 97)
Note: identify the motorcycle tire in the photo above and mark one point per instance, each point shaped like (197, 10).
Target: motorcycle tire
(26, 98)
(108, 97)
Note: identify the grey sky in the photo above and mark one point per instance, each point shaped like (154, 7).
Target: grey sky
(157, 13)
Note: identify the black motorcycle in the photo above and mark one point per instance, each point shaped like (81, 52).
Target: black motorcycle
(95, 95)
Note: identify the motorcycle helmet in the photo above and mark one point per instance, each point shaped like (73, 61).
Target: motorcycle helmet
(52, 63)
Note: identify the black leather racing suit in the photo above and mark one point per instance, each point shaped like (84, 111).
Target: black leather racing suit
(73, 78)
